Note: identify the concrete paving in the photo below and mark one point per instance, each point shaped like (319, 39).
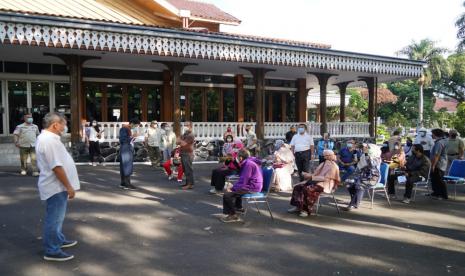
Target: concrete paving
(161, 230)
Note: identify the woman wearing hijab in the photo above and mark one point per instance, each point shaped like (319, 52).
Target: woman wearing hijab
(284, 167)
(229, 167)
(126, 152)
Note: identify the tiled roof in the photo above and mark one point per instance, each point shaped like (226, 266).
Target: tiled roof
(279, 41)
(449, 104)
(204, 10)
(384, 95)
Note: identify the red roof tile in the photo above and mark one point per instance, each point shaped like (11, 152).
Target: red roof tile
(204, 10)
(384, 95)
(449, 104)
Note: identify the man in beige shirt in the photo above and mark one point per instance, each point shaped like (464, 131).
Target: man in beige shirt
(25, 136)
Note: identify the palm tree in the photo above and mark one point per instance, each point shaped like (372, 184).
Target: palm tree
(427, 51)
(460, 23)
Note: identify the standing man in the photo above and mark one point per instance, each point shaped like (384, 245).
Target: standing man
(302, 146)
(324, 144)
(424, 140)
(438, 159)
(251, 140)
(454, 148)
(152, 140)
(186, 143)
(290, 134)
(58, 182)
(127, 134)
(168, 142)
(25, 136)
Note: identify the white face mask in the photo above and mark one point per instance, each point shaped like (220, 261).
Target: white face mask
(65, 130)
(94, 124)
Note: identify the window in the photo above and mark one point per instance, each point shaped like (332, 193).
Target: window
(277, 107)
(15, 67)
(17, 100)
(154, 103)
(93, 101)
(228, 105)
(213, 104)
(115, 102)
(291, 107)
(40, 101)
(249, 105)
(195, 104)
(62, 100)
(135, 102)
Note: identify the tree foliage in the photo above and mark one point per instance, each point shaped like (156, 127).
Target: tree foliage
(407, 103)
(357, 108)
(452, 81)
(460, 23)
(458, 121)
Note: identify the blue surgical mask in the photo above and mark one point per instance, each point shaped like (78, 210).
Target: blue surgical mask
(29, 120)
(65, 130)
(301, 130)
(349, 145)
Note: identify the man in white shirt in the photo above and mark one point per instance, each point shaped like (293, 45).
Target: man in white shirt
(425, 140)
(302, 146)
(152, 140)
(58, 182)
(25, 136)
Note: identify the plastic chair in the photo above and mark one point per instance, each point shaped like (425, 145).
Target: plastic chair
(327, 195)
(456, 174)
(261, 197)
(382, 184)
(424, 183)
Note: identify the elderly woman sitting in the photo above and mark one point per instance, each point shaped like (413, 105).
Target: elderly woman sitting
(324, 179)
(284, 167)
(229, 167)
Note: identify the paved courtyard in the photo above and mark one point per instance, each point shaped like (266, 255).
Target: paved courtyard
(161, 230)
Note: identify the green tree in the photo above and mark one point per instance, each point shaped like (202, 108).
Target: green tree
(458, 121)
(460, 23)
(407, 103)
(357, 108)
(452, 82)
(397, 119)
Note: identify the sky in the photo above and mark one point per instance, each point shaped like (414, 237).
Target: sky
(379, 27)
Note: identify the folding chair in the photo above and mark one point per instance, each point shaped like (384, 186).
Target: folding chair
(424, 183)
(456, 174)
(327, 195)
(381, 186)
(261, 197)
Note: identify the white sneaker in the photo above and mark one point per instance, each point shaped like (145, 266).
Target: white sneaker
(94, 164)
(170, 177)
(406, 200)
(212, 191)
(35, 174)
(303, 214)
(292, 210)
(90, 163)
(23, 172)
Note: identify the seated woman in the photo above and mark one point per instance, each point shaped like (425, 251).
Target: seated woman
(324, 179)
(229, 167)
(175, 160)
(366, 175)
(397, 163)
(284, 167)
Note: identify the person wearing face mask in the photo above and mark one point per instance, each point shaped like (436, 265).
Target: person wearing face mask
(438, 159)
(324, 179)
(284, 167)
(292, 131)
(168, 142)
(347, 159)
(454, 148)
(425, 140)
(408, 147)
(396, 166)
(152, 141)
(126, 154)
(58, 182)
(94, 134)
(251, 143)
(395, 138)
(228, 132)
(250, 181)
(25, 136)
(323, 144)
(302, 146)
(186, 143)
(230, 166)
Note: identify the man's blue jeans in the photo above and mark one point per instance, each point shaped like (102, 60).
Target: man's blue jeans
(348, 171)
(55, 214)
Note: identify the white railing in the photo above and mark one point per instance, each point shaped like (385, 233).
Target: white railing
(349, 129)
(276, 130)
(273, 130)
